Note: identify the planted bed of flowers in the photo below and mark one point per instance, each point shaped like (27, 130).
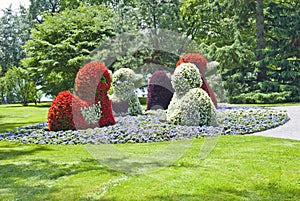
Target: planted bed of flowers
(153, 127)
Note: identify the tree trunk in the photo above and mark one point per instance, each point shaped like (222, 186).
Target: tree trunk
(260, 39)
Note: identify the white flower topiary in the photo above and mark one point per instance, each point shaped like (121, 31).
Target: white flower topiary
(190, 104)
(186, 76)
(197, 109)
(124, 90)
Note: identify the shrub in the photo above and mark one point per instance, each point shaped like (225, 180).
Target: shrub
(257, 97)
(201, 64)
(124, 97)
(60, 114)
(160, 91)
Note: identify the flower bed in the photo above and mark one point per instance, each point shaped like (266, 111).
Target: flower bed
(152, 127)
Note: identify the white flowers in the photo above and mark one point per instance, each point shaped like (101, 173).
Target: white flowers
(92, 114)
(124, 90)
(186, 76)
(190, 104)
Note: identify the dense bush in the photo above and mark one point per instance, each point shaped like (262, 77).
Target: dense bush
(124, 98)
(160, 91)
(257, 97)
(60, 114)
(190, 105)
(201, 64)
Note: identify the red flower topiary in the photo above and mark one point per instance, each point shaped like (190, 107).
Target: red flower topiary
(92, 79)
(60, 114)
(196, 59)
(160, 91)
(91, 84)
(201, 63)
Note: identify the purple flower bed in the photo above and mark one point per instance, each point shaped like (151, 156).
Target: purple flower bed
(153, 128)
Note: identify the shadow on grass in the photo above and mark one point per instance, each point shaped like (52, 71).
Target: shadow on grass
(38, 179)
(11, 151)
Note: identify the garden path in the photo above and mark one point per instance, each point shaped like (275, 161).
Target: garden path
(290, 130)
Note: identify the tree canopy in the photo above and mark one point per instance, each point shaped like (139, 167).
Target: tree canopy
(61, 43)
(256, 42)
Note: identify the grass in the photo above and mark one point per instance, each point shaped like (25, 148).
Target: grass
(238, 168)
(15, 115)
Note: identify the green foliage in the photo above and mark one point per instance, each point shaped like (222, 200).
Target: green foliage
(61, 43)
(14, 32)
(3, 89)
(159, 14)
(19, 85)
(283, 44)
(247, 63)
(258, 98)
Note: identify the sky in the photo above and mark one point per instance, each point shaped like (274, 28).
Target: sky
(15, 4)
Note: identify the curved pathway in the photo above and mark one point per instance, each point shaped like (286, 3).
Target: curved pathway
(290, 130)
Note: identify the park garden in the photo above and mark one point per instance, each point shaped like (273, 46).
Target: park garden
(211, 70)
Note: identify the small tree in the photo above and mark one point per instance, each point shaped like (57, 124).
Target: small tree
(19, 86)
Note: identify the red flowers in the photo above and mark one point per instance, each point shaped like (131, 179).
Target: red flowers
(91, 85)
(201, 63)
(60, 114)
(91, 80)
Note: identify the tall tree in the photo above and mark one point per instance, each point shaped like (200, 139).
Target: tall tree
(260, 40)
(62, 42)
(14, 32)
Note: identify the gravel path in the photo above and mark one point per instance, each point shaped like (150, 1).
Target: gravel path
(290, 130)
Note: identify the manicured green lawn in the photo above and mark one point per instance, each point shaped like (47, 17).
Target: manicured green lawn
(15, 115)
(238, 168)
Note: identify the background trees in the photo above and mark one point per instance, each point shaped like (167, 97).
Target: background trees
(256, 42)
(249, 40)
(14, 32)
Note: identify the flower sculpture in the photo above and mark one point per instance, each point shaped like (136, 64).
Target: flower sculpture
(160, 91)
(60, 114)
(92, 84)
(201, 64)
(190, 104)
(124, 98)
(90, 107)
